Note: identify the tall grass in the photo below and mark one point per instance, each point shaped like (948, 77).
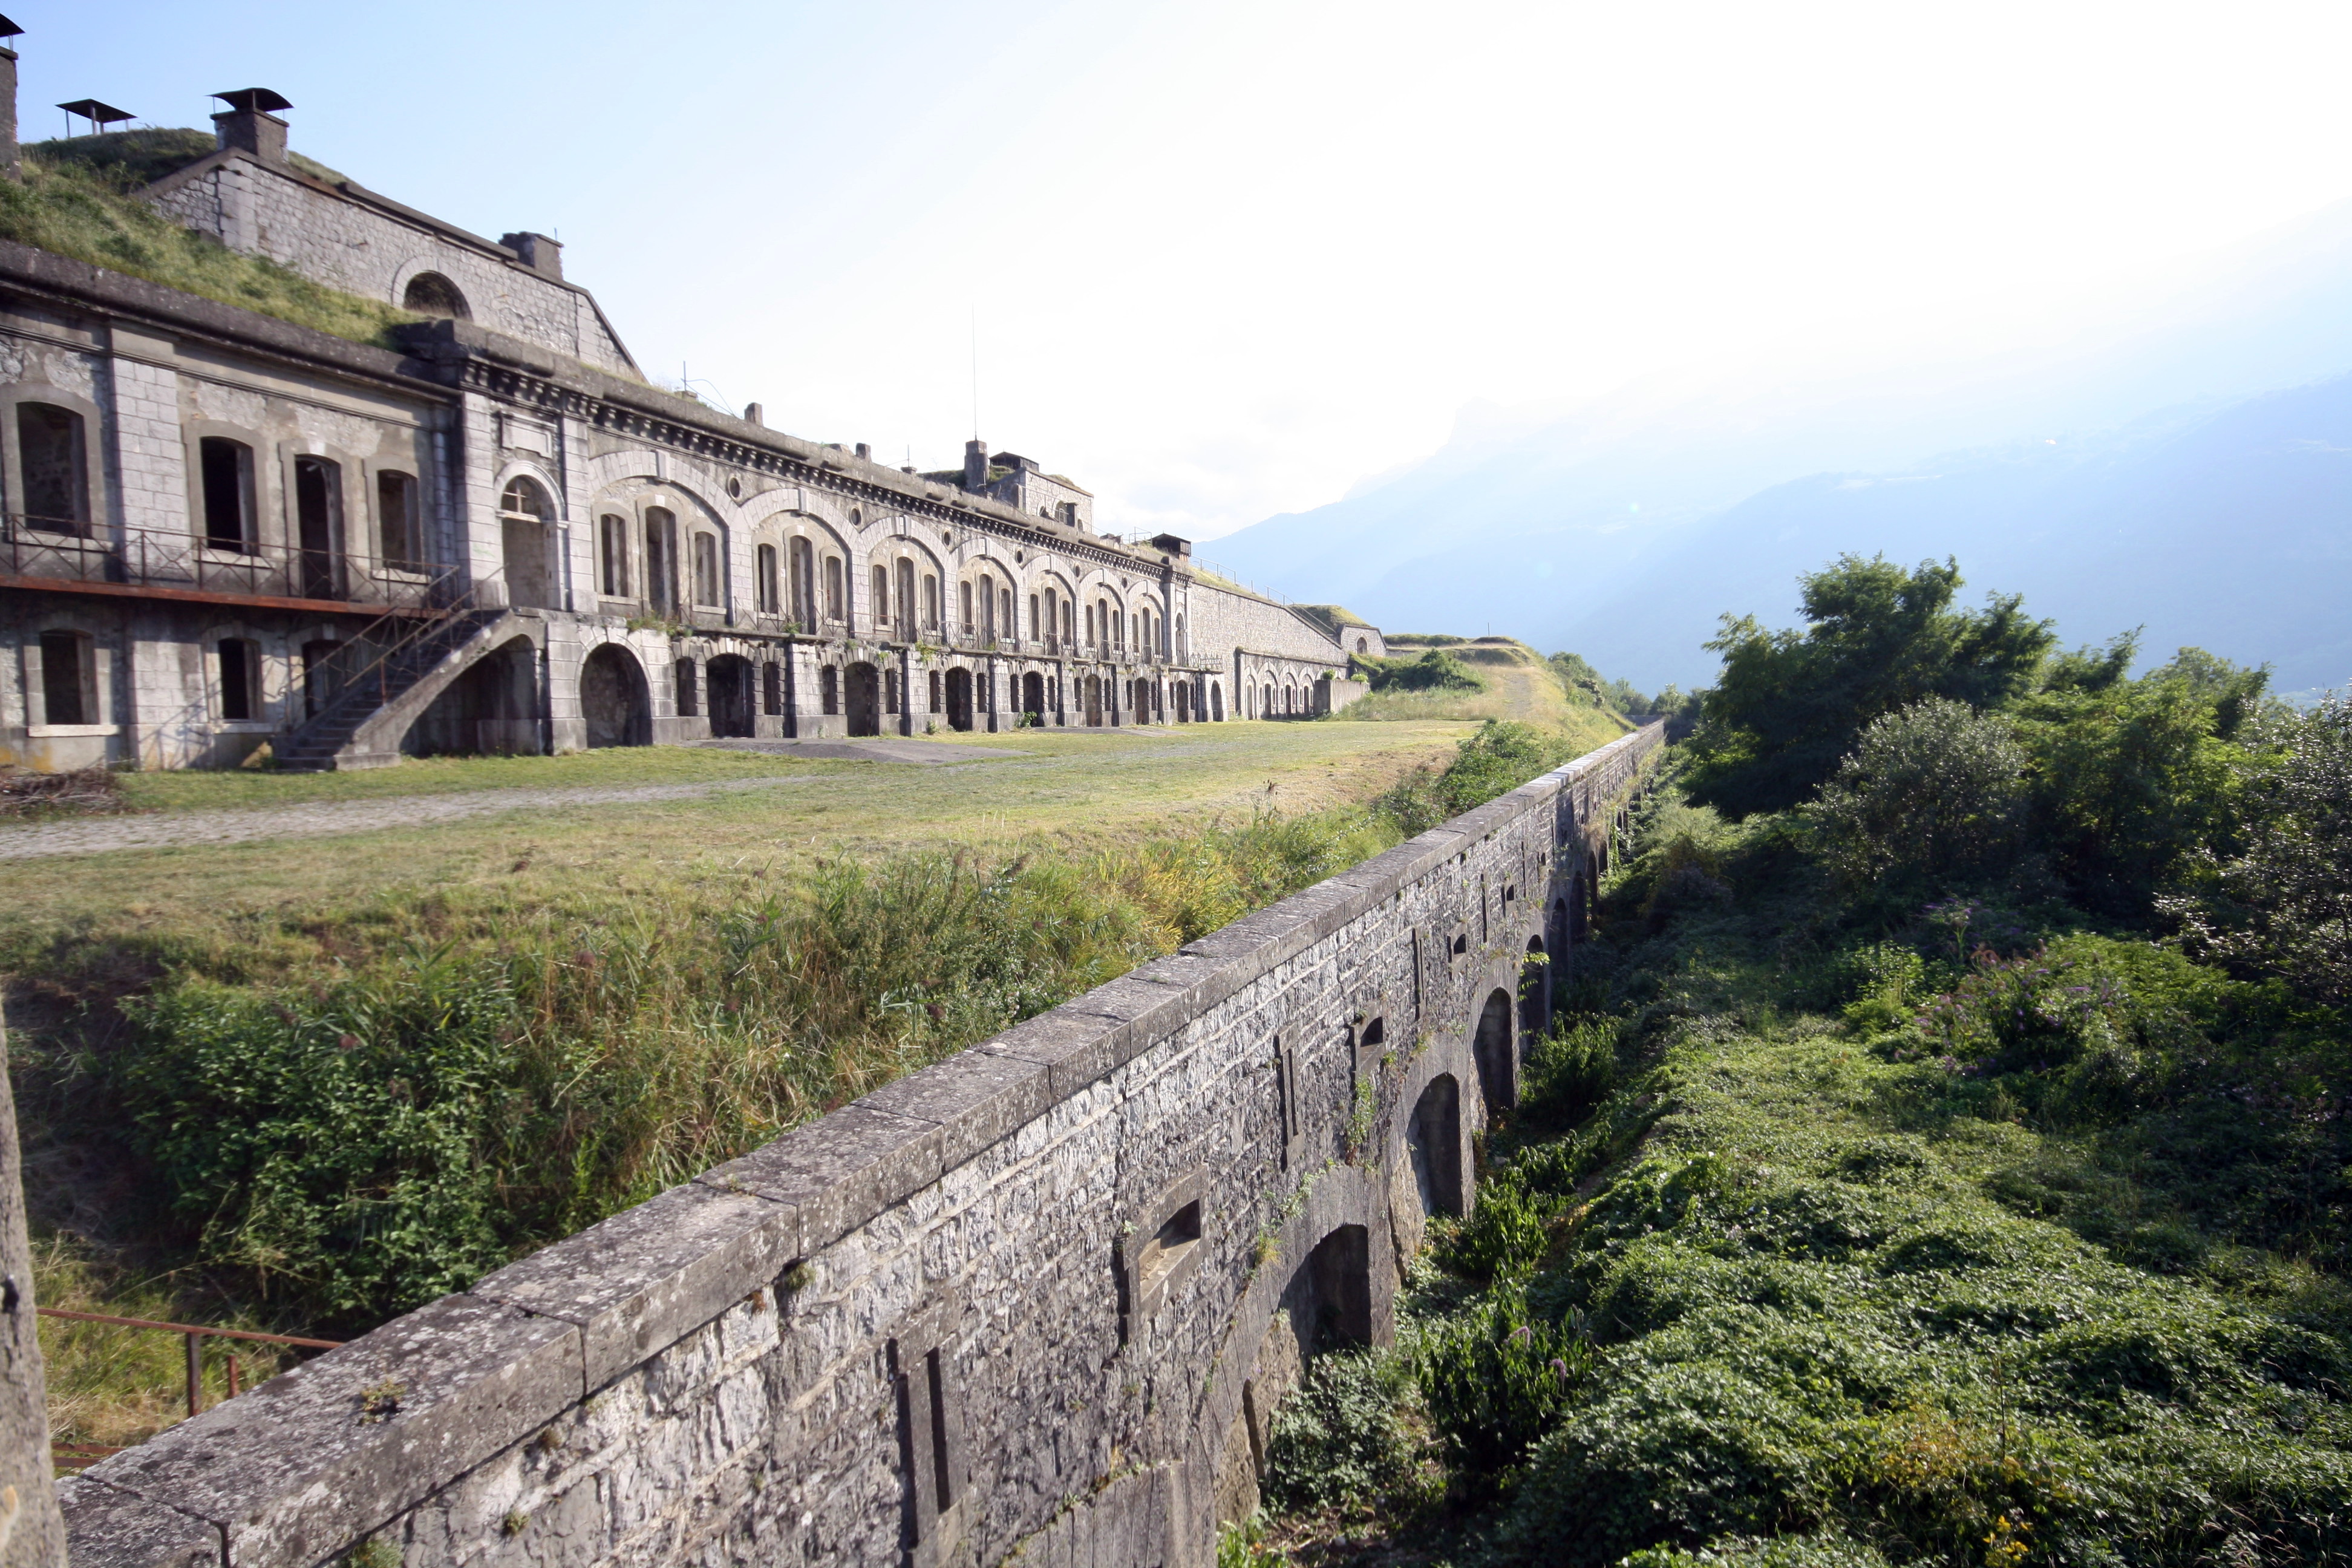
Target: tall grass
(82, 210)
(432, 1088)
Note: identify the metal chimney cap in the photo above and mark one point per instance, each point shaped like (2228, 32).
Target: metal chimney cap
(251, 99)
(8, 29)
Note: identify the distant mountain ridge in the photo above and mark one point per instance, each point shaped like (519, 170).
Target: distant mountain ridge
(2181, 459)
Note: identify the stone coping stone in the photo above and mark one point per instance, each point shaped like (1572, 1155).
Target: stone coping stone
(312, 1460)
(107, 1527)
(637, 1283)
(841, 1170)
(977, 1097)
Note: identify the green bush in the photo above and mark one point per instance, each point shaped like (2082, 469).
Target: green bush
(1932, 796)
(1435, 671)
(1340, 1437)
(1494, 1380)
(1503, 755)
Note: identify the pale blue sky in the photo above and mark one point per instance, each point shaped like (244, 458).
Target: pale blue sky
(1229, 257)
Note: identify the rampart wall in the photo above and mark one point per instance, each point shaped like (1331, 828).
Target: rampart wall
(1037, 1303)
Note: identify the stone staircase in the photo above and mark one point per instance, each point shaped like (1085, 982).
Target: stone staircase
(351, 733)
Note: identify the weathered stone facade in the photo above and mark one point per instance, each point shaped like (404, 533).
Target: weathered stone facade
(223, 530)
(1036, 1303)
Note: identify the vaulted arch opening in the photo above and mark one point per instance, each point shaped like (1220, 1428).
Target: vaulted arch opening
(1492, 1045)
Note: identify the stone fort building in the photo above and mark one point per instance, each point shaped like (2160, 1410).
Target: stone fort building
(223, 529)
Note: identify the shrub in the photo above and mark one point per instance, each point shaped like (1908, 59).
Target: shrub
(1932, 793)
(1339, 1437)
(2281, 903)
(1435, 670)
(1503, 755)
(1493, 1380)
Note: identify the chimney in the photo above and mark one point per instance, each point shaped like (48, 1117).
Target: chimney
(12, 165)
(975, 465)
(754, 414)
(249, 126)
(865, 452)
(540, 254)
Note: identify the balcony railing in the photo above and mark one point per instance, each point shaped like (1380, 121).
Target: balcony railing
(52, 550)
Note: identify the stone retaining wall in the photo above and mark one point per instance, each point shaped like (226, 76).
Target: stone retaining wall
(1036, 1303)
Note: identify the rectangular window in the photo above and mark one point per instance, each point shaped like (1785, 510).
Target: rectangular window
(931, 606)
(771, 675)
(766, 588)
(1034, 622)
(1005, 612)
(803, 578)
(881, 598)
(706, 571)
(905, 598)
(965, 590)
(319, 526)
(987, 610)
(237, 681)
(613, 555)
(828, 686)
(55, 467)
(227, 475)
(833, 586)
(686, 688)
(69, 692)
(398, 520)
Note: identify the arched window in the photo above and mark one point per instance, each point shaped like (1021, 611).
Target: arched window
(835, 608)
(399, 522)
(56, 467)
(905, 598)
(801, 562)
(931, 606)
(524, 499)
(661, 557)
(1090, 624)
(706, 571)
(765, 585)
(612, 554)
(1180, 639)
(228, 493)
(1036, 621)
(881, 575)
(430, 294)
(964, 591)
(1005, 612)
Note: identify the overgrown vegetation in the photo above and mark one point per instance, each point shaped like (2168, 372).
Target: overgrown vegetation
(1943, 1163)
(76, 201)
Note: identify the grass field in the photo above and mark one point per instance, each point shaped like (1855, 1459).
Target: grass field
(1047, 863)
(1519, 684)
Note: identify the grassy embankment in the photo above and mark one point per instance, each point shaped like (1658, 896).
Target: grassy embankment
(1944, 1163)
(75, 201)
(1488, 677)
(299, 1084)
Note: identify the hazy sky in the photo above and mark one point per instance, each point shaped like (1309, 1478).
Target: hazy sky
(1228, 259)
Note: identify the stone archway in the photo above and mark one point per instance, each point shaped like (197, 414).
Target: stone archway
(616, 703)
(729, 680)
(1033, 697)
(959, 700)
(1535, 991)
(1433, 1146)
(1497, 1073)
(863, 692)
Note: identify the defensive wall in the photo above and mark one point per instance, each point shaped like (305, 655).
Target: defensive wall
(1037, 1303)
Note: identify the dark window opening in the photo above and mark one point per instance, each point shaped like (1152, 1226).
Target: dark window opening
(430, 294)
(56, 470)
(319, 526)
(68, 692)
(236, 680)
(397, 521)
(685, 703)
(1178, 1235)
(828, 686)
(772, 689)
(227, 473)
(612, 554)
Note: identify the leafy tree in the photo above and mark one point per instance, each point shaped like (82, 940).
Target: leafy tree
(2131, 776)
(1790, 707)
(2282, 903)
(1934, 792)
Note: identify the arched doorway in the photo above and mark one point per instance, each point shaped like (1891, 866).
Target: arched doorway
(524, 513)
(1216, 703)
(1433, 1142)
(730, 679)
(959, 700)
(1033, 697)
(614, 699)
(865, 704)
(1556, 929)
(1094, 701)
(1497, 1073)
(1330, 1299)
(1183, 707)
(489, 710)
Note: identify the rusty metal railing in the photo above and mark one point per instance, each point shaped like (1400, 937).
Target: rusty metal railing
(74, 1455)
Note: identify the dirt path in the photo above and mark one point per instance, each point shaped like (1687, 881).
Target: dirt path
(98, 834)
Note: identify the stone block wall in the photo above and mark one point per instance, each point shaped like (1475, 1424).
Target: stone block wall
(1037, 1302)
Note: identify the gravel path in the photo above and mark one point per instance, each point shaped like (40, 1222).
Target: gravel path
(96, 834)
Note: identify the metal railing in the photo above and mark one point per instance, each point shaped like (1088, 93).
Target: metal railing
(74, 1455)
(56, 550)
(393, 634)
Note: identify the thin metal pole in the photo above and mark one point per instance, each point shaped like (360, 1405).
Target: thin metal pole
(195, 1374)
